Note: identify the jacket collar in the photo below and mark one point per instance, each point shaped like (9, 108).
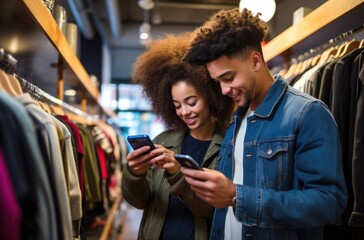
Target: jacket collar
(270, 101)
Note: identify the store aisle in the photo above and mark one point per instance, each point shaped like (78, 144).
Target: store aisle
(130, 224)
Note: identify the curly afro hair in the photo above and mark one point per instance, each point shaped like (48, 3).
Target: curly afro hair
(228, 32)
(161, 66)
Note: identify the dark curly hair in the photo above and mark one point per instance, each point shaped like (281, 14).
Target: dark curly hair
(228, 32)
(161, 66)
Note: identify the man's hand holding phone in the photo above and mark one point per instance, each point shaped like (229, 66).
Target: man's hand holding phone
(187, 161)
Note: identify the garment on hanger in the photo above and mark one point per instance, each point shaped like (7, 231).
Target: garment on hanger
(336, 77)
(63, 196)
(338, 85)
(27, 171)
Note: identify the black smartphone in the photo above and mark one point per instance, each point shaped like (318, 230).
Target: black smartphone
(187, 161)
(141, 140)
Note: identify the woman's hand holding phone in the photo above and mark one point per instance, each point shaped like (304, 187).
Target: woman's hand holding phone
(139, 159)
(141, 140)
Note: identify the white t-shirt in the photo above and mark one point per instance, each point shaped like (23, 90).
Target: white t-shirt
(232, 225)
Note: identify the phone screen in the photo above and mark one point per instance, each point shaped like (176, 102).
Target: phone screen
(187, 161)
(141, 140)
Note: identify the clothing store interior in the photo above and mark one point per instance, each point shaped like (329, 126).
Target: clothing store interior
(71, 60)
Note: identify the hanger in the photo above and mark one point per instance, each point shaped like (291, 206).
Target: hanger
(282, 72)
(339, 50)
(35, 93)
(297, 68)
(44, 106)
(325, 56)
(79, 119)
(56, 110)
(348, 47)
(290, 71)
(16, 84)
(7, 85)
(361, 43)
(1, 80)
(315, 60)
(306, 64)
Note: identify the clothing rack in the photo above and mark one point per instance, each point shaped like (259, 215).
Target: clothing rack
(330, 43)
(338, 45)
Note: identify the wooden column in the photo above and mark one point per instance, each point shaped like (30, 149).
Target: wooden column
(60, 81)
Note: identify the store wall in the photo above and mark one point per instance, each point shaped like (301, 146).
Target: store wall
(283, 17)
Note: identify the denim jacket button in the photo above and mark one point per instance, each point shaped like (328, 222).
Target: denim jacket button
(269, 151)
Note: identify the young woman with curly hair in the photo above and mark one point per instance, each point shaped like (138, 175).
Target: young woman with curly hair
(280, 174)
(196, 114)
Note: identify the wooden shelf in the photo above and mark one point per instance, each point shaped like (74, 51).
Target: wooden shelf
(54, 34)
(29, 32)
(325, 22)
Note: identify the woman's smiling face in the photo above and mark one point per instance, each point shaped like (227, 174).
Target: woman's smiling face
(191, 106)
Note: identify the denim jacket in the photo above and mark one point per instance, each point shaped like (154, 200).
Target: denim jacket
(293, 182)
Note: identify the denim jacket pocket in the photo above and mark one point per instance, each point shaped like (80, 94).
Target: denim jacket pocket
(272, 164)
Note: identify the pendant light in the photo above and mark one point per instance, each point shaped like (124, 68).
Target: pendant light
(266, 7)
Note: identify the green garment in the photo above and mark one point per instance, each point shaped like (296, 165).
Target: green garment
(91, 169)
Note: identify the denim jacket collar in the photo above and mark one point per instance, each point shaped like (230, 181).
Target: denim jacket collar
(270, 101)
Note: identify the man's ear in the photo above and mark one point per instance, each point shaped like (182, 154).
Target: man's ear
(256, 59)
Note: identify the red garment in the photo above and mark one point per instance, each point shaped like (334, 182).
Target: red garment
(10, 214)
(102, 162)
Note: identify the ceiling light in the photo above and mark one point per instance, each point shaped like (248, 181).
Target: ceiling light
(144, 30)
(70, 92)
(146, 4)
(266, 7)
(157, 18)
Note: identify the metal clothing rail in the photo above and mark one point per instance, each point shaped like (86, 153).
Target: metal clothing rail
(9, 64)
(45, 97)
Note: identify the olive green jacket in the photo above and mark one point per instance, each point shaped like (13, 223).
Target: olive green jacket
(151, 191)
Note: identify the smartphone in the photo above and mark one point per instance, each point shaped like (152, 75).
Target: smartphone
(187, 161)
(141, 140)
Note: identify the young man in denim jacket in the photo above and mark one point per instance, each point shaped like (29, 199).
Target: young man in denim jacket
(280, 171)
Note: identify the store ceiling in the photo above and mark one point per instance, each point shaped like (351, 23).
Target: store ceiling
(116, 20)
